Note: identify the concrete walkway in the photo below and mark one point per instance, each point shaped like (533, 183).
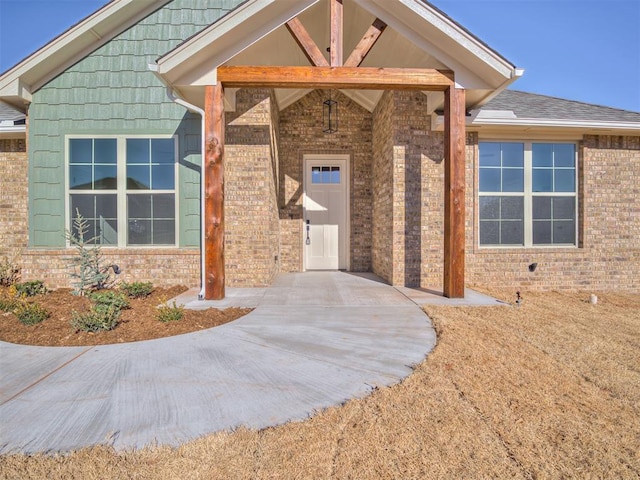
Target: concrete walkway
(314, 341)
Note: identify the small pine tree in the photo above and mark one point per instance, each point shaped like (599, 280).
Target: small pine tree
(88, 264)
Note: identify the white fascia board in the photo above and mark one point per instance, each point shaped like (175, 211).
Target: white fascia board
(73, 45)
(504, 119)
(12, 131)
(476, 66)
(519, 72)
(538, 122)
(464, 38)
(209, 35)
(193, 62)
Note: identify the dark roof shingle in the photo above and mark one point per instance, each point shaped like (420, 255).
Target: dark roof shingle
(9, 114)
(532, 105)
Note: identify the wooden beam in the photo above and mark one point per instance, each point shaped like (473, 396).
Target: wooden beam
(214, 192)
(366, 43)
(454, 185)
(306, 43)
(335, 77)
(335, 47)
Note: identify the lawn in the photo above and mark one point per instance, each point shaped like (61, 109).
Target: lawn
(550, 389)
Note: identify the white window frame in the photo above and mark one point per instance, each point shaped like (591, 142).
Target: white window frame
(121, 191)
(528, 194)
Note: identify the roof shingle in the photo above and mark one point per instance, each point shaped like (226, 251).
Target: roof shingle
(535, 106)
(9, 114)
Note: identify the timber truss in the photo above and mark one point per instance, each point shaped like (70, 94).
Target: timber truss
(336, 74)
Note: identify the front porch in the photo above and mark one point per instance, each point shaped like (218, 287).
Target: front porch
(331, 290)
(282, 48)
(395, 175)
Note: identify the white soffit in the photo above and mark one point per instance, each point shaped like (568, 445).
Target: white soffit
(476, 66)
(255, 30)
(19, 83)
(195, 61)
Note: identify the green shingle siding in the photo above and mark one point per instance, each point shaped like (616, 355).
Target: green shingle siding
(112, 92)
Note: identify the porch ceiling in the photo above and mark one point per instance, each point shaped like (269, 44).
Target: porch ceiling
(417, 36)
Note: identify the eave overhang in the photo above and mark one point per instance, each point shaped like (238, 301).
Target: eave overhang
(193, 63)
(478, 68)
(19, 83)
(10, 131)
(507, 122)
(474, 63)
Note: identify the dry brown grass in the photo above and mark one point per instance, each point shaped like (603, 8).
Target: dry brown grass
(547, 390)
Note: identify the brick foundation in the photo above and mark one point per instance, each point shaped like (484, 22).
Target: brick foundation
(162, 267)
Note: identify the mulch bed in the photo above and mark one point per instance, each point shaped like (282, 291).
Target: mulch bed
(138, 322)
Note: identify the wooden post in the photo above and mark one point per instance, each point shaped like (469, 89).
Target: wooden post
(214, 192)
(335, 49)
(454, 183)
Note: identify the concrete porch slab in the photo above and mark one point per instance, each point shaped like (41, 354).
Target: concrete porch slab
(235, 297)
(424, 296)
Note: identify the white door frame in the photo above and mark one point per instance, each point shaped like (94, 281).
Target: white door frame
(347, 177)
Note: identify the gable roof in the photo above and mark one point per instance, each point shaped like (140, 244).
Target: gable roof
(418, 36)
(426, 37)
(20, 82)
(515, 108)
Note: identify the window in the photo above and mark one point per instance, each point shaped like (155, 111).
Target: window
(325, 175)
(124, 188)
(527, 194)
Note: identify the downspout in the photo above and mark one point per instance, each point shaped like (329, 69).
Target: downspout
(192, 108)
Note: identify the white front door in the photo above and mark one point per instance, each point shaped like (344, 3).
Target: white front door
(325, 205)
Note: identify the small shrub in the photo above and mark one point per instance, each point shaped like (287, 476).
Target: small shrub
(8, 304)
(99, 318)
(31, 288)
(30, 313)
(89, 268)
(9, 270)
(137, 289)
(170, 313)
(110, 298)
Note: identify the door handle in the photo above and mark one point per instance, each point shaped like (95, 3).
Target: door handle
(308, 240)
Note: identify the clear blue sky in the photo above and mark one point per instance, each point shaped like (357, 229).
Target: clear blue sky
(587, 50)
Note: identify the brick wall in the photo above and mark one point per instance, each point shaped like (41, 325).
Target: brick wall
(408, 191)
(252, 223)
(13, 196)
(252, 238)
(396, 204)
(382, 188)
(300, 134)
(161, 266)
(404, 149)
(609, 253)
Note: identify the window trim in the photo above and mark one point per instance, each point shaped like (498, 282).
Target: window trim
(121, 190)
(528, 194)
